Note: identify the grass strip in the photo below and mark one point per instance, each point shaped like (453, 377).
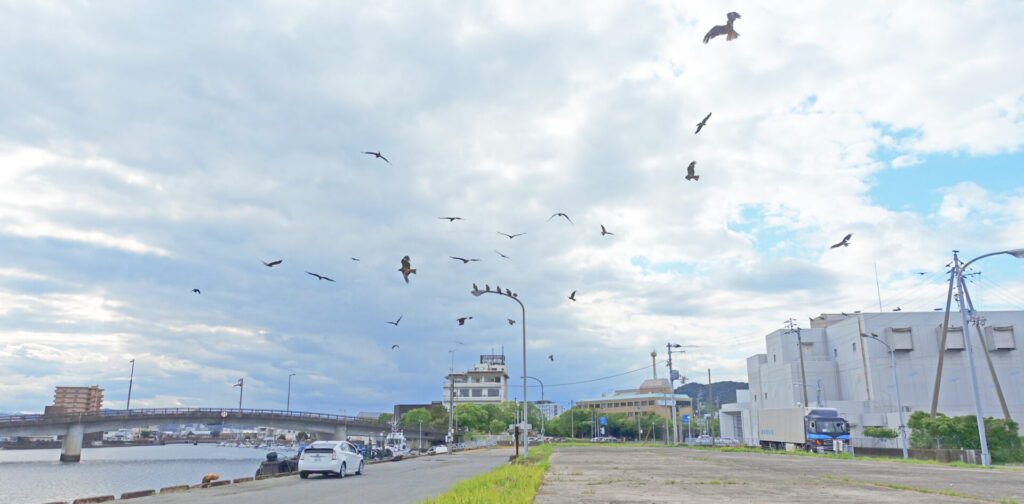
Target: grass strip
(508, 484)
(896, 486)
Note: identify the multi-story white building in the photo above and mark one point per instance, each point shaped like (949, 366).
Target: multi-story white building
(484, 383)
(854, 374)
(548, 409)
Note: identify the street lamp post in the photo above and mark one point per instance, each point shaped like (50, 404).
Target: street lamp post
(513, 296)
(896, 382)
(131, 378)
(672, 385)
(638, 424)
(451, 399)
(967, 315)
(542, 415)
(241, 386)
(288, 406)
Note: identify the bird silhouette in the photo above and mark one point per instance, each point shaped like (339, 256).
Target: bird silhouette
(560, 214)
(510, 236)
(702, 123)
(503, 255)
(475, 288)
(487, 288)
(378, 156)
(572, 297)
(845, 242)
(451, 219)
(508, 292)
(271, 264)
(462, 320)
(394, 347)
(395, 323)
(511, 322)
(354, 258)
(406, 269)
(497, 288)
(920, 272)
(725, 29)
(320, 277)
(898, 308)
(690, 172)
(196, 291)
(552, 357)
(604, 231)
(464, 260)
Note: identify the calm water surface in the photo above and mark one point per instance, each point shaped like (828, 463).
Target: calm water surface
(34, 476)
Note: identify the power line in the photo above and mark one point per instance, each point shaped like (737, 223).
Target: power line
(592, 380)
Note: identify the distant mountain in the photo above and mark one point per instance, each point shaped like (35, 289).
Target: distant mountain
(724, 391)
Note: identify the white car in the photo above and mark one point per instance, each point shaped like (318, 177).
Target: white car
(330, 458)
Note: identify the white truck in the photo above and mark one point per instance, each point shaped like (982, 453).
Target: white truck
(810, 429)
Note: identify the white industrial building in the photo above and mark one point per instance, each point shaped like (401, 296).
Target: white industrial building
(548, 408)
(854, 374)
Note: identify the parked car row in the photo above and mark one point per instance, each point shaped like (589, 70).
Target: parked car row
(604, 439)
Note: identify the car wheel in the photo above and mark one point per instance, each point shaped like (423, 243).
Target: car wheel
(360, 470)
(341, 472)
(303, 474)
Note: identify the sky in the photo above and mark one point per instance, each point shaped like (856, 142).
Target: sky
(152, 148)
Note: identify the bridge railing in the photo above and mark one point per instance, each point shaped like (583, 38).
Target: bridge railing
(226, 413)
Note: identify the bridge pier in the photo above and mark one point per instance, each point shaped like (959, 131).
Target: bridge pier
(340, 432)
(71, 448)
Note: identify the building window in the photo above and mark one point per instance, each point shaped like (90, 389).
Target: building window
(478, 392)
(854, 346)
(835, 353)
(773, 357)
(492, 392)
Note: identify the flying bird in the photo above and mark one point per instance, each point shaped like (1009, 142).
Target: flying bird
(690, 172)
(511, 322)
(702, 123)
(196, 291)
(271, 264)
(845, 242)
(510, 236)
(395, 323)
(572, 297)
(560, 214)
(462, 320)
(898, 308)
(354, 258)
(320, 277)
(394, 347)
(464, 260)
(503, 255)
(725, 29)
(378, 155)
(406, 269)
(552, 357)
(920, 272)
(451, 219)
(604, 231)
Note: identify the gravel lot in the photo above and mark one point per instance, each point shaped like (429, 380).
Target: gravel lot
(627, 474)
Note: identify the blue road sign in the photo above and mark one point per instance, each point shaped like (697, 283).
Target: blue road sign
(604, 421)
(686, 418)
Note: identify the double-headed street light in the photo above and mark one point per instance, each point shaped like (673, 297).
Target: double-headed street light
(513, 296)
(896, 383)
(968, 315)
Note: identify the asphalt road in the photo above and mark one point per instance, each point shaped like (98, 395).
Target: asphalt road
(623, 474)
(391, 482)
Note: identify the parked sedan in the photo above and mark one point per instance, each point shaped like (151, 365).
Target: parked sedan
(330, 458)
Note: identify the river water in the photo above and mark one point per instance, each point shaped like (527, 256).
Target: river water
(34, 476)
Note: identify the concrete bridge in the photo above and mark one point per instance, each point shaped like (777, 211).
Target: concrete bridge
(74, 426)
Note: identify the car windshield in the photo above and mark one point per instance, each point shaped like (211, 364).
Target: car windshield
(837, 426)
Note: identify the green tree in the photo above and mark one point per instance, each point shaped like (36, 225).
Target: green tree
(415, 416)
(497, 426)
(473, 416)
(302, 436)
(282, 437)
(385, 417)
(962, 432)
(145, 433)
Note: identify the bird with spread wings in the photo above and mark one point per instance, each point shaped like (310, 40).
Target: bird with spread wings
(725, 29)
(690, 172)
(845, 242)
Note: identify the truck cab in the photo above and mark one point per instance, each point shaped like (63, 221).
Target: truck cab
(826, 431)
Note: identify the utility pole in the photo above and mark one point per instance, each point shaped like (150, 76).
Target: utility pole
(800, 344)
(961, 289)
(288, 405)
(130, 380)
(711, 400)
(988, 358)
(672, 385)
(942, 340)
